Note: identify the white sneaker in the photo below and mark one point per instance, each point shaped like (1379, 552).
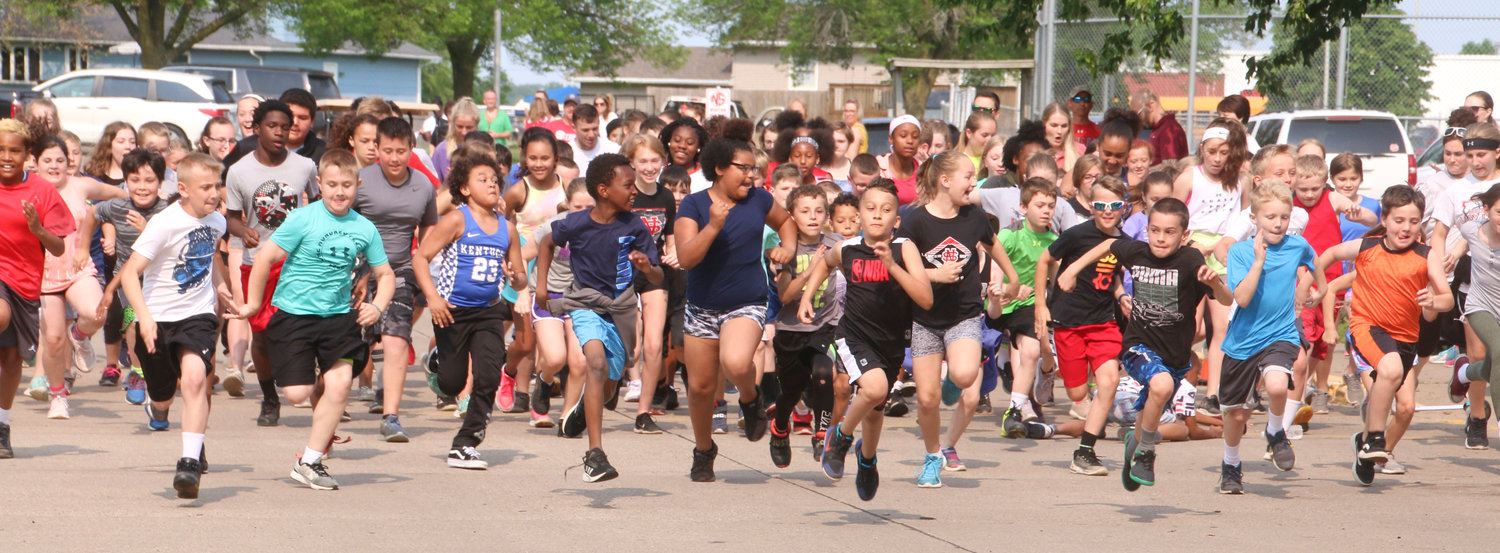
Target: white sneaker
(1080, 410)
(234, 383)
(83, 352)
(1294, 433)
(633, 393)
(59, 408)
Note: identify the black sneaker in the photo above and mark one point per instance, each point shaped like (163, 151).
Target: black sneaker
(834, 453)
(1085, 462)
(644, 424)
(377, 406)
(895, 406)
(984, 407)
(867, 477)
(1126, 477)
(1231, 479)
(1373, 449)
(1039, 430)
(1281, 451)
(189, 470)
(1474, 434)
(781, 445)
(1364, 471)
(669, 401)
(521, 403)
(447, 404)
(703, 464)
(466, 457)
(573, 422)
(1143, 467)
(1011, 425)
(755, 416)
(817, 447)
(596, 467)
(270, 414)
(612, 398)
(541, 395)
(5, 451)
(1210, 405)
(202, 458)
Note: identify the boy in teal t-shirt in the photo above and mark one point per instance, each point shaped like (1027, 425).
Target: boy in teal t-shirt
(315, 337)
(1024, 245)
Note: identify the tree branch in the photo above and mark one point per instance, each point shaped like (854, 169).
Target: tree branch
(203, 32)
(180, 21)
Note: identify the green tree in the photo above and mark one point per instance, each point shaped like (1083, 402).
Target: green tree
(1386, 70)
(582, 35)
(164, 29)
(1486, 47)
(839, 30)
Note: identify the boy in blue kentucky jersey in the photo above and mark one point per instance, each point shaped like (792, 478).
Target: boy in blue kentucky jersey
(462, 286)
(607, 244)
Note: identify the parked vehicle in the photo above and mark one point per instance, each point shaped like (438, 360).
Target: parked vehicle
(1377, 137)
(90, 99)
(675, 103)
(266, 81)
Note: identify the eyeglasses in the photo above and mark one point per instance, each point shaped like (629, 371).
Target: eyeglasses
(1455, 131)
(228, 140)
(983, 110)
(1474, 109)
(1108, 206)
(601, 104)
(743, 167)
(1083, 99)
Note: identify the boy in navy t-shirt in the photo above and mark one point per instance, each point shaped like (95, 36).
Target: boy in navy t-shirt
(607, 245)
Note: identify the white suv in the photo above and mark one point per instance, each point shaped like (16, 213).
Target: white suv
(1376, 136)
(91, 99)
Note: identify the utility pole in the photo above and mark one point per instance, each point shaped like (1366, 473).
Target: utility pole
(1192, 90)
(498, 49)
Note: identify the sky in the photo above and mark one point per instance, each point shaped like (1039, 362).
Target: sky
(1444, 36)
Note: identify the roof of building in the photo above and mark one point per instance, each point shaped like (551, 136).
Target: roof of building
(701, 66)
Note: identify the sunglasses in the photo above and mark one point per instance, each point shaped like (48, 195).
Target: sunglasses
(984, 110)
(1475, 109)
(1108, 206)
(1455, 131)
(1081, 99)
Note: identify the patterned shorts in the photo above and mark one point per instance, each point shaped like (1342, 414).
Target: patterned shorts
(705, 323)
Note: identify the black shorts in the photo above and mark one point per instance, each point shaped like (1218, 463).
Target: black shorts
(1239, 376)
(1446, 331)
(303, 346)
(1374, 343)
(856, 356)
(197, 335)
(25, 322)
(1021, 322)
(643, 284)
(797, 351)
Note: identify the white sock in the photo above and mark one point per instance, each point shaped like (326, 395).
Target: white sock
(1232, 455)
(310, 456)
(1463, 376)
(192, 445)
(1289, 412)
(4, 416)
(1273, 423)
(1018, 399)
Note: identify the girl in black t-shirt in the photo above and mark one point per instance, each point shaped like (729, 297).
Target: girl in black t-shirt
(656, 207)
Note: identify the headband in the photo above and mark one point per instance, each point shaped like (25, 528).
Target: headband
(902, 120)
(1220, 133)
(804, 140)
(1481, 144)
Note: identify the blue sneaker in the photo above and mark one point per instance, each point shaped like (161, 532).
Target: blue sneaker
(867, 478)
(930, 475)
(156, 423)
(834, 452)
(951, 392)
(135, 388)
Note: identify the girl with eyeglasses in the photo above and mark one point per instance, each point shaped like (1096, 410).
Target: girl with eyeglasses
(217, 139)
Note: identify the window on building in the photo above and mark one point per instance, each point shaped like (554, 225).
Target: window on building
(803, 76)
(78, 58)
(21, 64)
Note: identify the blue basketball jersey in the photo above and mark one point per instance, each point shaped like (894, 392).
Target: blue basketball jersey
(467, 272)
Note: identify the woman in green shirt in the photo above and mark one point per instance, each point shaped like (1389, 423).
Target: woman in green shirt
(495, 121)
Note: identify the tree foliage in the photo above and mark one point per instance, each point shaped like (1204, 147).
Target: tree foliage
(1486, 47)
(164, 29)
(1386, 70)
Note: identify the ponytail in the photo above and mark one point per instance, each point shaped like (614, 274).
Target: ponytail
(928, 174)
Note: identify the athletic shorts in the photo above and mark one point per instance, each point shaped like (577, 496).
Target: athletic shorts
(796, 351)
(1374, 343)
(643, 284)
(539, 309)
(1239, 377)
(262, 316)
(1312, 325)
(1142, 363)
(25, 322)
(589, 326)
(1361, 366)
(397, 318)
(856, 356)
(303, 346)
(1021, 322)
(1083, 348)
(705, 323)
(927, 341)
(1209, 238)
(197, 335)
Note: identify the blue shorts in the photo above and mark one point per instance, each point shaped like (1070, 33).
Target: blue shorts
(1141, 364)
(589, 326)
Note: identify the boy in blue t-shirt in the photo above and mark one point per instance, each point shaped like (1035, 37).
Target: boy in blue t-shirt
(314, 337)
(607, 244)
(1262, 340)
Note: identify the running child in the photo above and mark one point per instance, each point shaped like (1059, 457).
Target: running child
(885, 278)
(556, 345)
(655, 206)
(1170, 282)
(471, 244)
(175, 281)
(121, 221)
(1482, 306)
(608, 245)
(314, 337)
(1025, 246)
(1262, 342)
(1397, 282)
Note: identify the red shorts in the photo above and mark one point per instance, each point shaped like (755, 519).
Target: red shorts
(1079, 348)
(1312, 332)
(262, 316)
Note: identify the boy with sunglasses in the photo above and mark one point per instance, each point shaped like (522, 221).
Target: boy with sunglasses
(1080, 104)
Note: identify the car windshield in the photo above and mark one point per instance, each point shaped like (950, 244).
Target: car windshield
(1361, 135)
(323, 87)
(273, 83)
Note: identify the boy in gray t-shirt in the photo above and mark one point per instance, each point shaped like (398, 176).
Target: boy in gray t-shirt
(403, 205)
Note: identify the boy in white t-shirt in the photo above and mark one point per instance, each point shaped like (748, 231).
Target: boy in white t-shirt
(171, 281)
